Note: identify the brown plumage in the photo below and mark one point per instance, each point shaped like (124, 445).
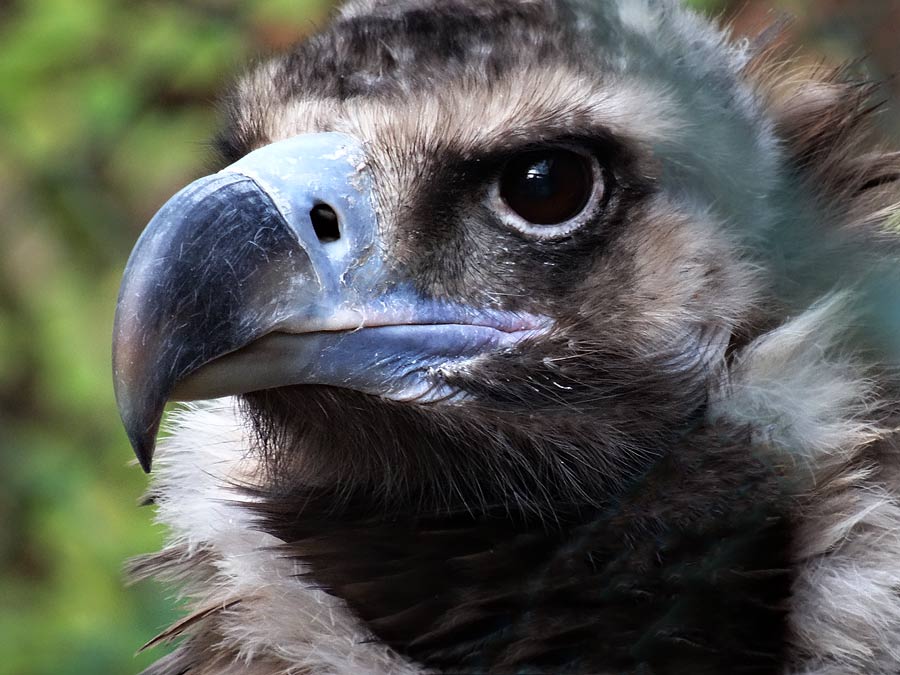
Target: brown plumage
(686, 465)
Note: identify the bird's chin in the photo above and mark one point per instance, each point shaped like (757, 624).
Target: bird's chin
(338, 442)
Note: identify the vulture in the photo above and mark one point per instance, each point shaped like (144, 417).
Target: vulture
(526, 336)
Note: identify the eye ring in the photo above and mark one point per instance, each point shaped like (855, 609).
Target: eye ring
(548, 193)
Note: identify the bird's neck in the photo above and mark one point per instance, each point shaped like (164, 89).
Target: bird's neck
(686, 569)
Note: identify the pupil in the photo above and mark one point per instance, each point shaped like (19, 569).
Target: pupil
(539, 179)
(547, 187)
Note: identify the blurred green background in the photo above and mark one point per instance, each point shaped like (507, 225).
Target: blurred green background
(105, 110)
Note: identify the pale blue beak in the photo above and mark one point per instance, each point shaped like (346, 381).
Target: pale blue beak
(273, 272)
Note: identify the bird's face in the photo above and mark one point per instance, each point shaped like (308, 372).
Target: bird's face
(454, 247)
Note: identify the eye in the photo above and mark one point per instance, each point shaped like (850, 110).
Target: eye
(543, 193)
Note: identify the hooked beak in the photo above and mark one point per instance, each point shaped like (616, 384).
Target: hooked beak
(271, 273)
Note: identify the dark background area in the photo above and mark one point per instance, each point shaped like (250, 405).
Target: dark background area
(105, 110)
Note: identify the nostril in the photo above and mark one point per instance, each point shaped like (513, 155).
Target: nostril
(325, 223)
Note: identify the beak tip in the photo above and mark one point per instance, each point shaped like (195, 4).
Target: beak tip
(144, 457)
(140, 397)
(143, 444)
(141, 426)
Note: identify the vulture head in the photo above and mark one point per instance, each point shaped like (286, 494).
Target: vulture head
(535, 336)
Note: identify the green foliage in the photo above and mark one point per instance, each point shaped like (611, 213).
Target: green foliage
(105, 106)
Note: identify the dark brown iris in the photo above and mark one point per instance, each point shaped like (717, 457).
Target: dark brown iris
(547, 187)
